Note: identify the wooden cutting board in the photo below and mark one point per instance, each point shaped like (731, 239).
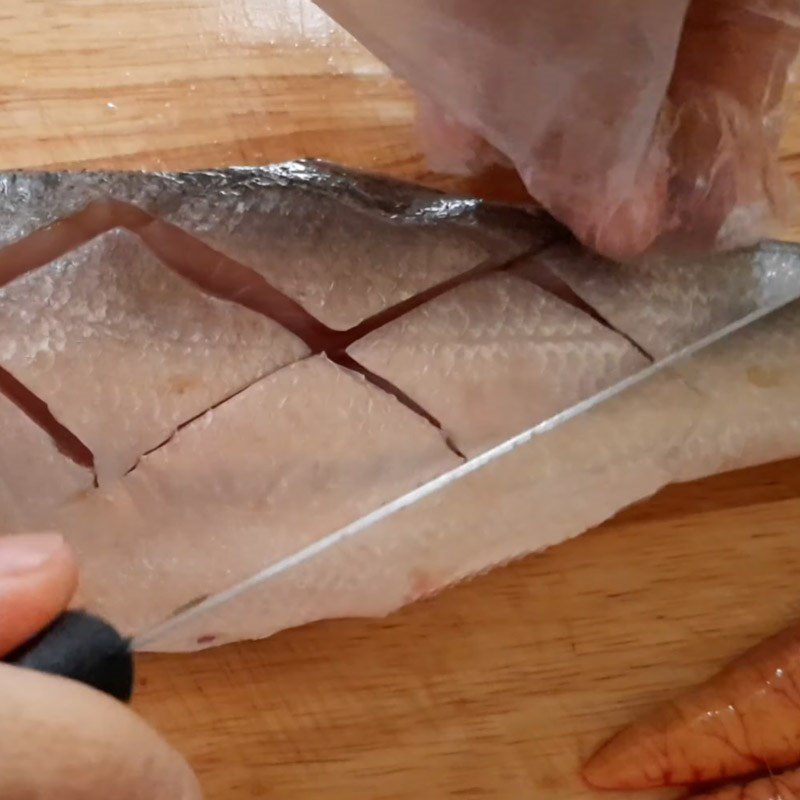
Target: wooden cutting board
(497, 688)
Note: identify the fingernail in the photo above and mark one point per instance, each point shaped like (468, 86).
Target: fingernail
(27, 552)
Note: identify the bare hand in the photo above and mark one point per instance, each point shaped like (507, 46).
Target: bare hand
(58, 739)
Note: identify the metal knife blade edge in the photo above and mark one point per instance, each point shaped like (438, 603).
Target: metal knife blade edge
(463, 470)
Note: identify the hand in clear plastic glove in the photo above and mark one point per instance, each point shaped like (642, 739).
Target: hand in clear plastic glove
(58, 739)
(635, 122)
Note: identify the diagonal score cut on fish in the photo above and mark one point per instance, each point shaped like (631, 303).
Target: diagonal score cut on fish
(363, 525)
(339, 342)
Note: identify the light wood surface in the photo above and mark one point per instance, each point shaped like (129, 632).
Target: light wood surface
(497, 688)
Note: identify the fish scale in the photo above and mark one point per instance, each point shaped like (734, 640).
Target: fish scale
(571, 477)
(123, 351)
(313, 491)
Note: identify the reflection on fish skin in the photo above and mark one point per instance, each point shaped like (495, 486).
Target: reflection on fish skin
(275, 461)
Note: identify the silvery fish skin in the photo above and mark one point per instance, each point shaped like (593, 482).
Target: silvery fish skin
(343, 249)
(254, 358)
(110, 315)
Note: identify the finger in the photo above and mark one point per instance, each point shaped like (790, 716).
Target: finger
(62, 741)
(622, 225)
(570, 92)
(450, 146)
(730, 77)
(58, 739)
(38, 576)
(744, 48)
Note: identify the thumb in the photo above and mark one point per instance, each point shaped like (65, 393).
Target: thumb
(60, 740)
(38, 576)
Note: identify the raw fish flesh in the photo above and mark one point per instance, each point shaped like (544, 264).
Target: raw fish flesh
(664, 306)
(344, 251)
(664, 303)
(541, 495)
(552, 489)
(481, 357)
(123, 350)
(254, 358)
(785, 786)
(48, 480)
(743, 721)
(268, 490)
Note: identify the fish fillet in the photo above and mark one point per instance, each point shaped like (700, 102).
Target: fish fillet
(35, 477)
(752, 409)
(124, 351)
(482, 358)
(550, 490)
(461, 323)
(665, 303)
(343, 246)
(294, 456)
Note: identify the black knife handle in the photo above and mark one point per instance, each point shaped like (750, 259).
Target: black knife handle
(84, 648)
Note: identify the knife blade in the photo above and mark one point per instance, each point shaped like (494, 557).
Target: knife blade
(105, 658)
(460, 472)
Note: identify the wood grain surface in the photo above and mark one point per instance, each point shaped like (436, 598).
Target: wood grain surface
(500, 687)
